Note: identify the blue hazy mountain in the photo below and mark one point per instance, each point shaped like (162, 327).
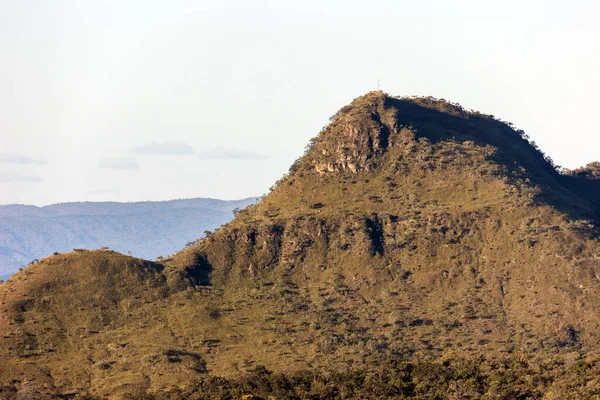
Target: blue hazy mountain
(144, 229)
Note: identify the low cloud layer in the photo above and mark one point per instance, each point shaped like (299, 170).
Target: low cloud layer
(17, 178)
(222, 153)
(187, 150)
(164, 149)
(10, 158)
(119, 163)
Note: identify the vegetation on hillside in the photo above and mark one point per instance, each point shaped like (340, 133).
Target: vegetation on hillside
(415, 250)
(510, 377)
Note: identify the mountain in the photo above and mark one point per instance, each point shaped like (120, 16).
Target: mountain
(416, 250)
(145, 229)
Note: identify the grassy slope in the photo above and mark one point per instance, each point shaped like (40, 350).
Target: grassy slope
(478, 246)
(428, 233)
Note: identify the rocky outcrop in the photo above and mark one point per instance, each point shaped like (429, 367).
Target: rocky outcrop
(356, 137)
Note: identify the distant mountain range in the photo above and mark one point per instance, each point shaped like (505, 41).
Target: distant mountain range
(145, 229)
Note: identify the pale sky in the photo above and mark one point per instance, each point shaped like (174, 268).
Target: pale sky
(133, 100)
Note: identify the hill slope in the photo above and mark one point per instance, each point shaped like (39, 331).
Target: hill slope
(146, 229)
(410, 231)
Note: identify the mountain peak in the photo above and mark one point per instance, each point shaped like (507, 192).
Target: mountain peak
(358, 133)
(411, 229)
(378, 130)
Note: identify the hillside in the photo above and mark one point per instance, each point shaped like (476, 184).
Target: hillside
(145, 229)
(416, 250)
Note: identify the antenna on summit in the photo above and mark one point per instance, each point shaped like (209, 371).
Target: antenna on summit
(378, 84)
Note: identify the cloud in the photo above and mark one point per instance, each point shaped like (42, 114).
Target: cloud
(164, 149)
(8, 158)
(187, 150)
(17, 178)
(119, 163)
(222, 153)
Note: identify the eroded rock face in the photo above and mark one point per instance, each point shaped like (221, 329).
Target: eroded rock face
(356, 137)
(287, 245)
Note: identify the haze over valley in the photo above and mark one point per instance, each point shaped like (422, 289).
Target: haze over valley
(145, 229)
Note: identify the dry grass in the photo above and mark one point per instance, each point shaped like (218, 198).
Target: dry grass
(411, 230)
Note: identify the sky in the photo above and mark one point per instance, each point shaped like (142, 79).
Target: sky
(134, 100)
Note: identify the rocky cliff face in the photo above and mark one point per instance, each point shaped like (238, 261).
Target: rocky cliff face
(362, 133)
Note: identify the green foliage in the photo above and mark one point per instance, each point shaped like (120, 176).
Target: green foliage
(508, 378)
(590, 171)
